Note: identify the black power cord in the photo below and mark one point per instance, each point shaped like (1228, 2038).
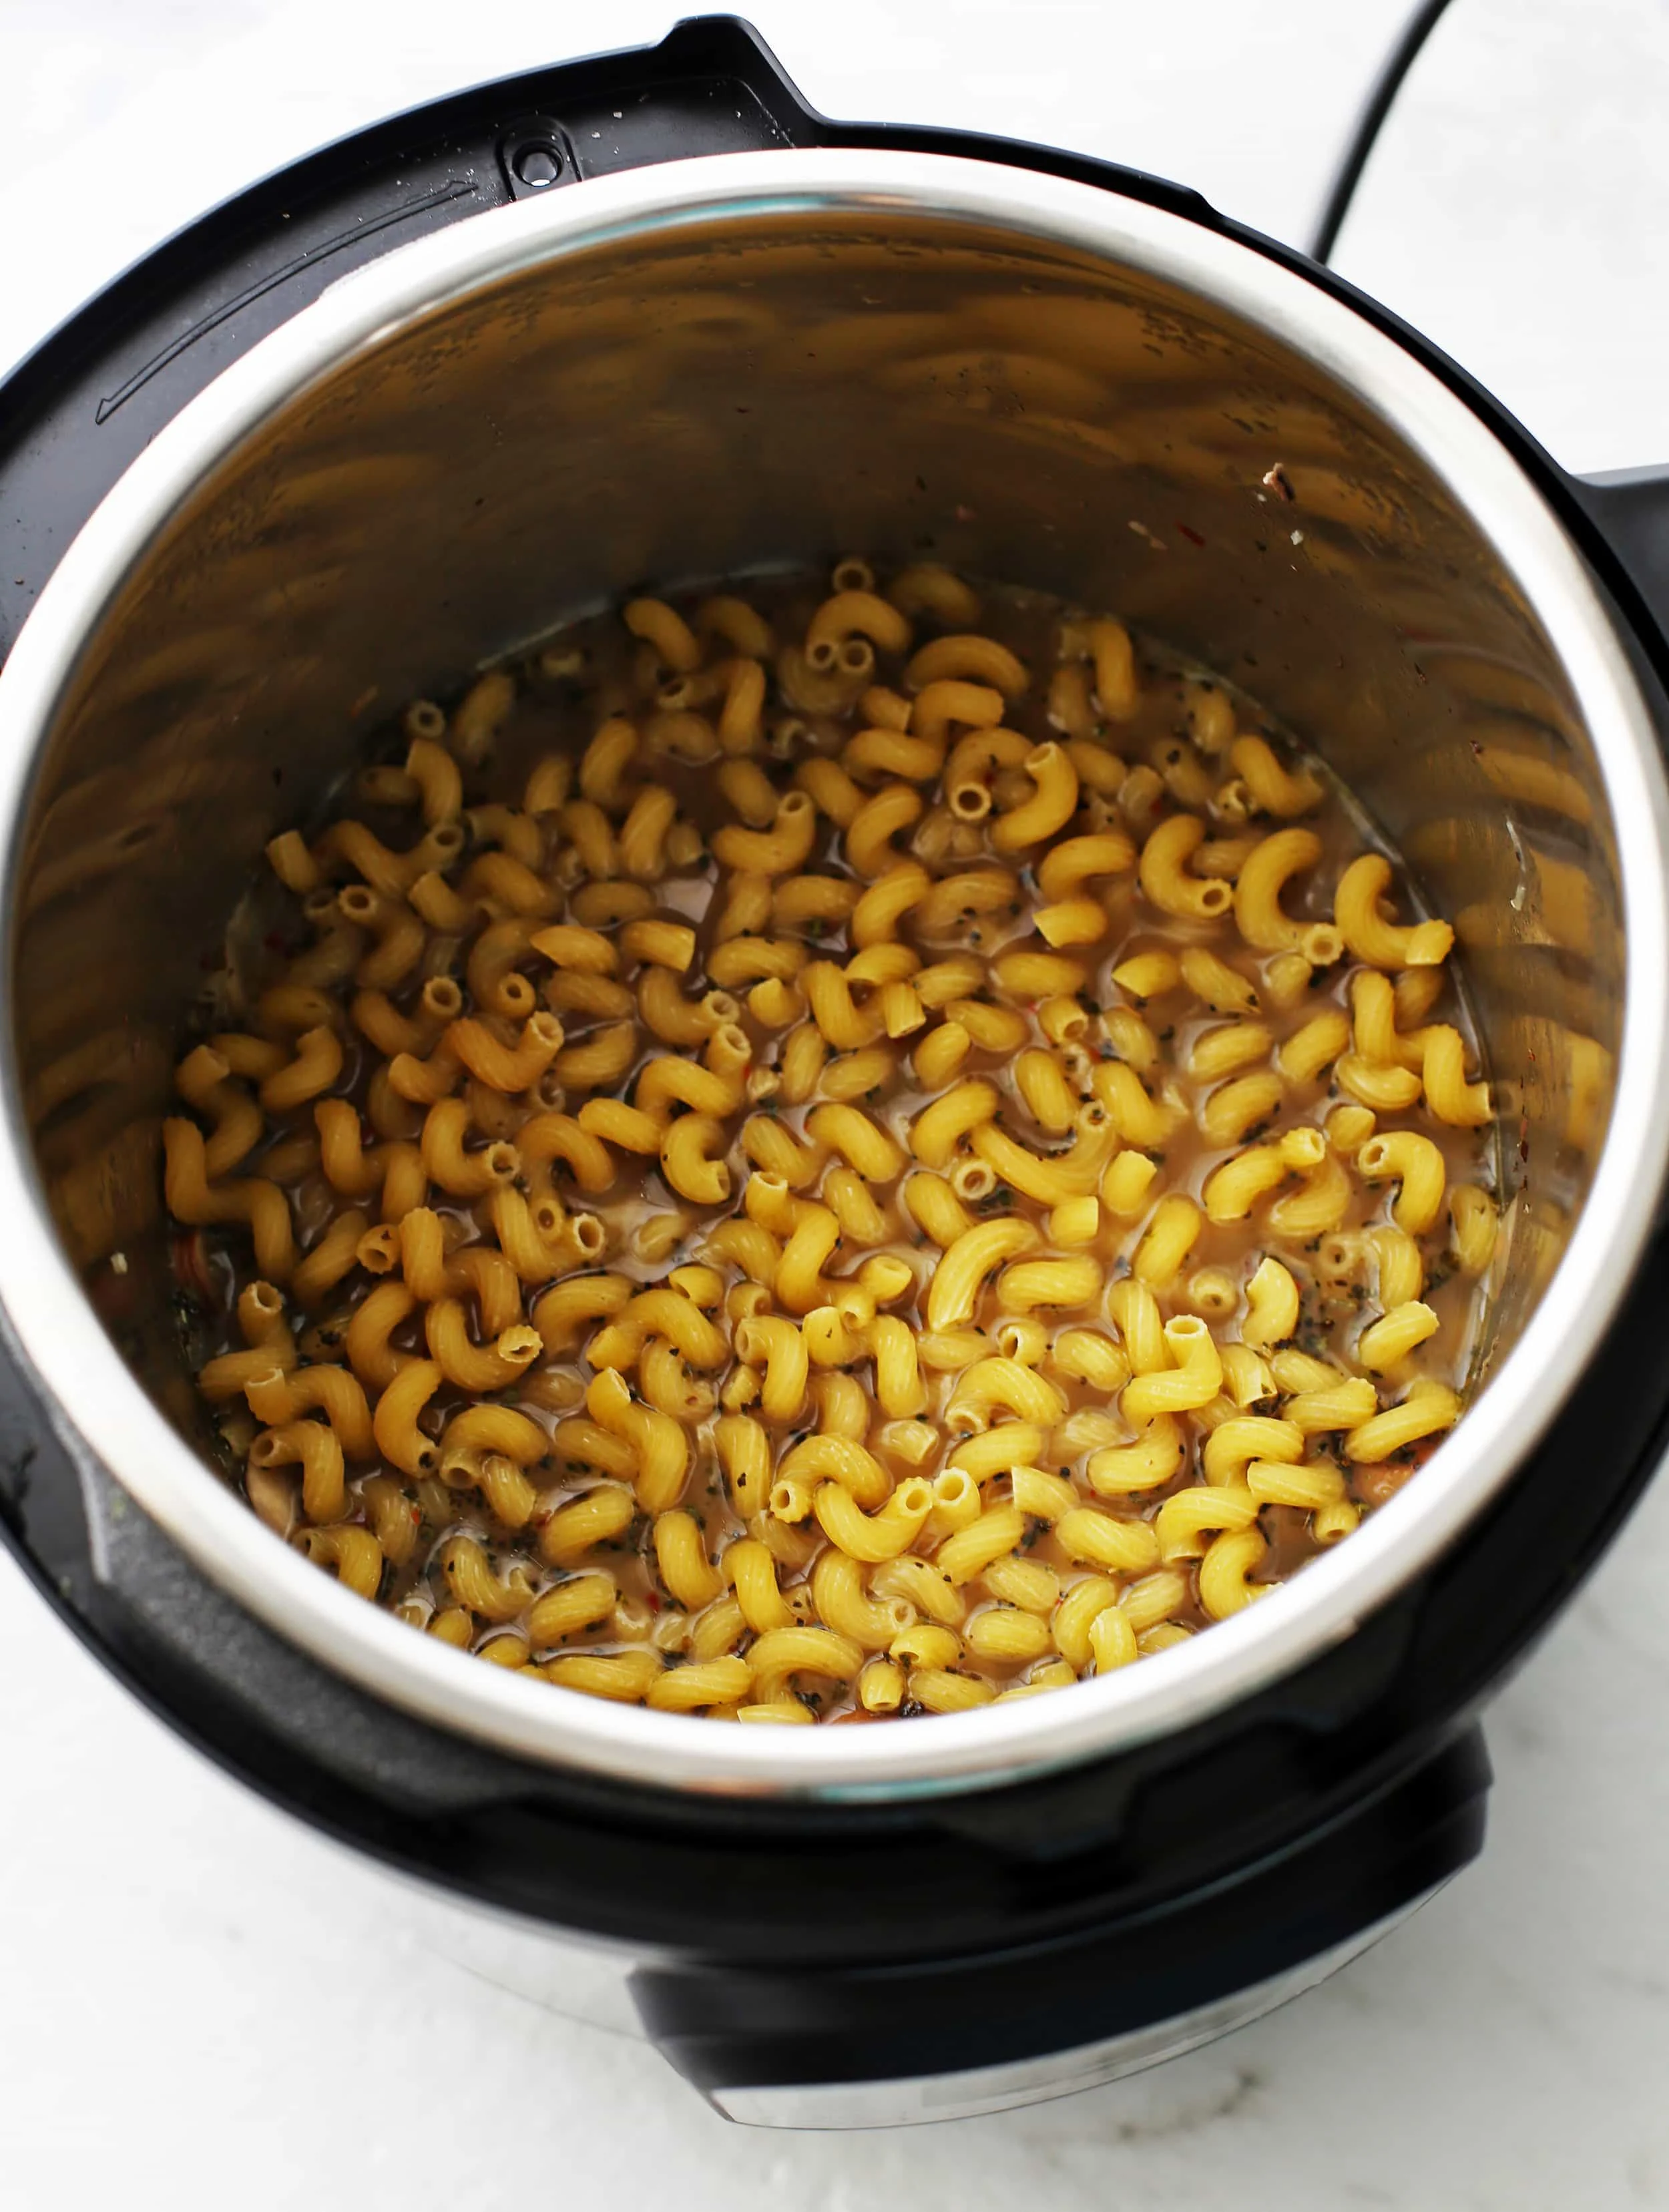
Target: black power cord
(1386, 86)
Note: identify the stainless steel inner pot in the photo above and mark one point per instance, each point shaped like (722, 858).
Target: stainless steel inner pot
(769, 358)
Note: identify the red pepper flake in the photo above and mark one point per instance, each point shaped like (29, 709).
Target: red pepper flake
(1275, 480)
(1193, 535)
(189, 1261)
(652, 1600)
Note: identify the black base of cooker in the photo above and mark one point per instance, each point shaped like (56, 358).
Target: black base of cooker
(1092, 1990)
(788, 1937)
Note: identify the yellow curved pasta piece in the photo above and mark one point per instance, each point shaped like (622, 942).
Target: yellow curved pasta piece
(871, 1537)
(1164, 872)
(1358, 909)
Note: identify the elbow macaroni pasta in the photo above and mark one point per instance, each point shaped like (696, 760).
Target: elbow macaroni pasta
(840, 1218)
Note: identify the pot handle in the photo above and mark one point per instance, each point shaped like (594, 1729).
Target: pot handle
(1626, 514)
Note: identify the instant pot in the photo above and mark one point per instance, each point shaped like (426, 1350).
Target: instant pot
(400, 408)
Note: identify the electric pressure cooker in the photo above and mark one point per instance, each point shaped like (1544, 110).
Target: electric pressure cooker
(500, 359)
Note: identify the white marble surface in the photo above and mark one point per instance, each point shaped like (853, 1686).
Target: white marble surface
(203, 2004)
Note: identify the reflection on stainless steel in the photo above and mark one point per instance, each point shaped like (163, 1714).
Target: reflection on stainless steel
(774, 358)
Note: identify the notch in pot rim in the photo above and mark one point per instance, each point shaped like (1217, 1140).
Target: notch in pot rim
(47, 1318)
